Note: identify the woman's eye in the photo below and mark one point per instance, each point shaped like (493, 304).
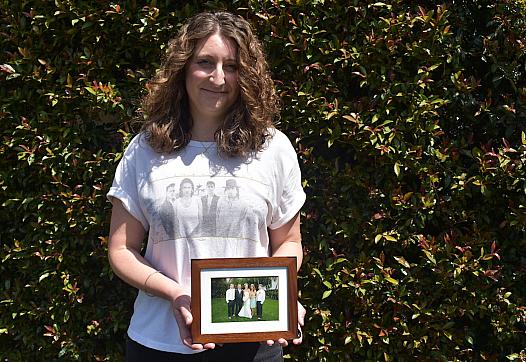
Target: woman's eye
(231, 67)
(203, 62)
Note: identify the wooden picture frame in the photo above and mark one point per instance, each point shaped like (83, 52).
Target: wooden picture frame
(210, 277)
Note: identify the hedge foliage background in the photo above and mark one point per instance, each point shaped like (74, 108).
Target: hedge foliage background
(409, 120)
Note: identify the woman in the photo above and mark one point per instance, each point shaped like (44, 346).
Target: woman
(245, 310)
(252, 295)
(208, 115)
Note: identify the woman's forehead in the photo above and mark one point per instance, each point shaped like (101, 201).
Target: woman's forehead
(216, 45)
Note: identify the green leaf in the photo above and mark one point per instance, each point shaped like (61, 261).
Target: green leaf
(401, 260)
(317, 271)
(396, 168)
(381, 4)
(391, 280)
(389, 237)
(430, 257)
(326, 294)
(91, 90)
(43, 276)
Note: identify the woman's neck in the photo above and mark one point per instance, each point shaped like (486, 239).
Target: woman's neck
(204, 129)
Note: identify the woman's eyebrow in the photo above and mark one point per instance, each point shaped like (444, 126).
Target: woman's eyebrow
(206, 55)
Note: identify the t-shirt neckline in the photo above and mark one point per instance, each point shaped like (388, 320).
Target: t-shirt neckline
(202, 144)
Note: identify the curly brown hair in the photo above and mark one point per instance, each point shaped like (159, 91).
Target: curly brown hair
(168, 121)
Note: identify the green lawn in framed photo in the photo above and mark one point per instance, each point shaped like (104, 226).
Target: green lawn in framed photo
(262, 299)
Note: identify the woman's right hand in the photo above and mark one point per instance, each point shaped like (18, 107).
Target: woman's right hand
(183, 316)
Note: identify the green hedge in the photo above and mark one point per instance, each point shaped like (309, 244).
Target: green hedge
(409, 119)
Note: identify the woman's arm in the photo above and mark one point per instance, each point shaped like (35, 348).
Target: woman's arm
(126, 237)
(286, 241)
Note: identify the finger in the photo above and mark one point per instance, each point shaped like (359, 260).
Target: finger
(184, 320)
(187, 317)
(297, 340)
(300, 336)
(183, 329)
(270, 342)
(283, 342)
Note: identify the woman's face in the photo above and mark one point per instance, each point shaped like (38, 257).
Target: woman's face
(186, 189)
(212, 80)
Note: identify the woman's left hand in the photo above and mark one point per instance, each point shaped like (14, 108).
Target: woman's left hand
(301, 322)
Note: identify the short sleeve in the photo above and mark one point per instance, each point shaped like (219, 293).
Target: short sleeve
(125, 183)
(290, 197)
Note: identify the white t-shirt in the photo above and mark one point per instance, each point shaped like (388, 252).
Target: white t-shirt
(252, 195)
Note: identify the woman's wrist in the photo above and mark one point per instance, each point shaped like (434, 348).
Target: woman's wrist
(158, 284)
(146, 288)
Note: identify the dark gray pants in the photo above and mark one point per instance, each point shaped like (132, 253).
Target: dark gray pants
(231, 306)
(237, 352)
(259, 309)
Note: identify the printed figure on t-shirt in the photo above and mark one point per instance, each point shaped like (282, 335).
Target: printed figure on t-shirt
(187, 208)
(231, 212)
(168, 214)
(209, 207)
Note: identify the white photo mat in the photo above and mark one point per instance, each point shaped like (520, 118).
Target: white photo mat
(207, 327)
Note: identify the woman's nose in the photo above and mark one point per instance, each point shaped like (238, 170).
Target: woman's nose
(218, 75)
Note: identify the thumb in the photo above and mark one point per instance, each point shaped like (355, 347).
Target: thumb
(301, 314)
(187, 316)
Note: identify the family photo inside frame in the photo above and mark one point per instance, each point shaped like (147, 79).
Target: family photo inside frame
(244, 299)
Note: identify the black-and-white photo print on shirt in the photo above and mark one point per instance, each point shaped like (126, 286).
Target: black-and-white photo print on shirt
(220, 207)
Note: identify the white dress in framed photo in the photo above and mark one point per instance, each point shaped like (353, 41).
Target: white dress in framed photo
(245, 310)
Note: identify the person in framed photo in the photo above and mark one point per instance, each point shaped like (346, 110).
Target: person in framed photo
(252, 295)
(209, 115)
(245, 310)
(230, 300)
(238, 299)
(260, 299)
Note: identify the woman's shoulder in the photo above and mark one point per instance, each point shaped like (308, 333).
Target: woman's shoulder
(278, 141)
(279, 149)
(275, 135)
(139, 144)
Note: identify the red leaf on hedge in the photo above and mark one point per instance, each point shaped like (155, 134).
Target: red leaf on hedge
(51, 331)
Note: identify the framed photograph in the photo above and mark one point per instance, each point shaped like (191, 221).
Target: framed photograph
(244, 299)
